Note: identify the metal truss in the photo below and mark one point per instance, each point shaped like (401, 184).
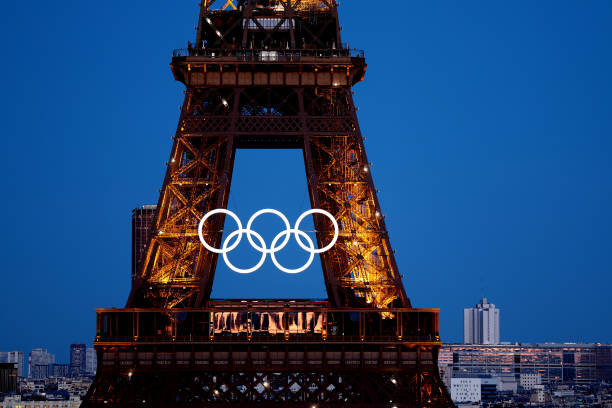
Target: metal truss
(268, 74)
(359, 388)
(360, 268)
(268, 23)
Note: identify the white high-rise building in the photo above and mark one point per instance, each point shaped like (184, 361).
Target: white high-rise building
(481, 324)
(91, 361)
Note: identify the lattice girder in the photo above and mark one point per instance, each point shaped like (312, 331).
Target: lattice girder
(250, 388)
(271, 23)
(359, 270)
(268, 74)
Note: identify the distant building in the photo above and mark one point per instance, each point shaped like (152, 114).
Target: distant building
(539, 395)
(16, 357)
(59, 370)
(40, 371)
(603, 358)
(530, 380)
(16, 402)
(507, 383)
(481, 324)
(553, 362)
(8, 378)
(488, 389)
(39, 361)
(142, 220)
(465, 390)
(91, 362)
(78, 359)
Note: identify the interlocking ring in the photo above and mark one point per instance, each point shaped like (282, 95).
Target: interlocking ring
(262, 247)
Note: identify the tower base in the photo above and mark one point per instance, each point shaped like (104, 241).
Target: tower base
(259, 353)
(320, 388)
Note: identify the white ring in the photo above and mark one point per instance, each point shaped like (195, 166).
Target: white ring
(208, 215)
(328, 215)
(311, 251)
(249, 270)
(268, 211)
(227, 247)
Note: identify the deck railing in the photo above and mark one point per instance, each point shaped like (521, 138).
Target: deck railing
(263, 325)
(268, 55)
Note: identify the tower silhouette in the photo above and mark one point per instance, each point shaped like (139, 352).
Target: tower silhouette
(268, 74)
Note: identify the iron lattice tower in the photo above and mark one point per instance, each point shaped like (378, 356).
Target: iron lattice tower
(268, 74)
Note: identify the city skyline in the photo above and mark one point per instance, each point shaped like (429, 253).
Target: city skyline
(500, 185)
(40, 363)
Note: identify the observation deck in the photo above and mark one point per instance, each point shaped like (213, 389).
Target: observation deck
(267, 321)
(268, 67)
(264, 335)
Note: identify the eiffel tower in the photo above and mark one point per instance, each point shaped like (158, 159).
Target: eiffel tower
(268, 74)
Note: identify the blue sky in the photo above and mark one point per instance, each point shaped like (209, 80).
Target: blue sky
(488, 123)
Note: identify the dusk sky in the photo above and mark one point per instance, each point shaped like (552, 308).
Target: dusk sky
(489, 126)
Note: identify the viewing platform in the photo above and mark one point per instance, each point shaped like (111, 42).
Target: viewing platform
(268, 67)
(265, 321)
(265, 335)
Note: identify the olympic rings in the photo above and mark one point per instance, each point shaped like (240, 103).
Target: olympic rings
(262, 247)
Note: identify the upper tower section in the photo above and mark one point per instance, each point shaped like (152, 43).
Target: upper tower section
(269, 37)
(269, 24)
